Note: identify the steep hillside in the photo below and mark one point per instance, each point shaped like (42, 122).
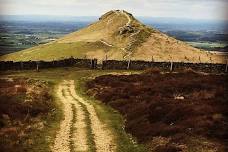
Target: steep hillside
(117, 35)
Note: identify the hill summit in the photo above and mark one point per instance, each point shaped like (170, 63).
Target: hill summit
(116, 35)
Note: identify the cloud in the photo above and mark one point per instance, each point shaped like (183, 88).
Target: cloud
(207, 9)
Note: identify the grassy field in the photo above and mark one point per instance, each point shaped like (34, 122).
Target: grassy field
(54, 51)
(125, 142)
(211, 46)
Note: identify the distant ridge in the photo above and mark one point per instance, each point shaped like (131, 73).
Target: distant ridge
(48, 18)
(116, 35)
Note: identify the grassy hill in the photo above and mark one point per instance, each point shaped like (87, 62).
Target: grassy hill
(117, 35)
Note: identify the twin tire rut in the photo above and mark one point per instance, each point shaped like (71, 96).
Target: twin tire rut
(75, 132)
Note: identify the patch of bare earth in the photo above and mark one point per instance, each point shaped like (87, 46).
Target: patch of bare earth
(62, 141)
(75, 132)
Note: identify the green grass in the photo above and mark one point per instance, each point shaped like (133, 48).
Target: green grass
(55, 51)
(105, 113)
(208, 45)
(125, 142)
(87, 42)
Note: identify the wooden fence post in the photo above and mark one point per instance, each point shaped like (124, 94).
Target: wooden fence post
(37, 66)
(22, 66)
(226, 66)
(152, 60)
(102, 65)
(171, 66)
(71, 61)
(128, 64)
(92, 61)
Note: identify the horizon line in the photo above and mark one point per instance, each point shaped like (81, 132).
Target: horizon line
(72, 16)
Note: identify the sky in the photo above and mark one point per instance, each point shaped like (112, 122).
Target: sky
(194, 9)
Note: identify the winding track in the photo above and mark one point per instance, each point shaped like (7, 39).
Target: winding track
(106, 43)
(75, 132)
(128, 23)
(128, 53)
(62, 140)
(129, 19)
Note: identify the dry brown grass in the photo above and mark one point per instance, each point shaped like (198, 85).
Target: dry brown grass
(164, 48)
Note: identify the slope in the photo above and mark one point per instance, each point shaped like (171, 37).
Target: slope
(117, 35)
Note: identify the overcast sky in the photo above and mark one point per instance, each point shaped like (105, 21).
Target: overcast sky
(196, 9)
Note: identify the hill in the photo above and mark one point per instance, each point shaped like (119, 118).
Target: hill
(117, 35)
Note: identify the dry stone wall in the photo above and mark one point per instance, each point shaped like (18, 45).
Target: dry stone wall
(164, 66)
(30, 65)
(113, 65)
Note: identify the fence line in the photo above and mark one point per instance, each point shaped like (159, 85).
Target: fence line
(37, 65)
(164, 66)
(112, 65)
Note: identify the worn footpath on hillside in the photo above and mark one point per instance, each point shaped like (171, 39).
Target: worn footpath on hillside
(73, 134)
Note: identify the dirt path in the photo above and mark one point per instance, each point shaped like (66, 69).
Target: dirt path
(62, 140)
(79, 139)
(128, 23)
(73, 135)
(125, 50)
(127, 16)
(106, 43)
(119, 12)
